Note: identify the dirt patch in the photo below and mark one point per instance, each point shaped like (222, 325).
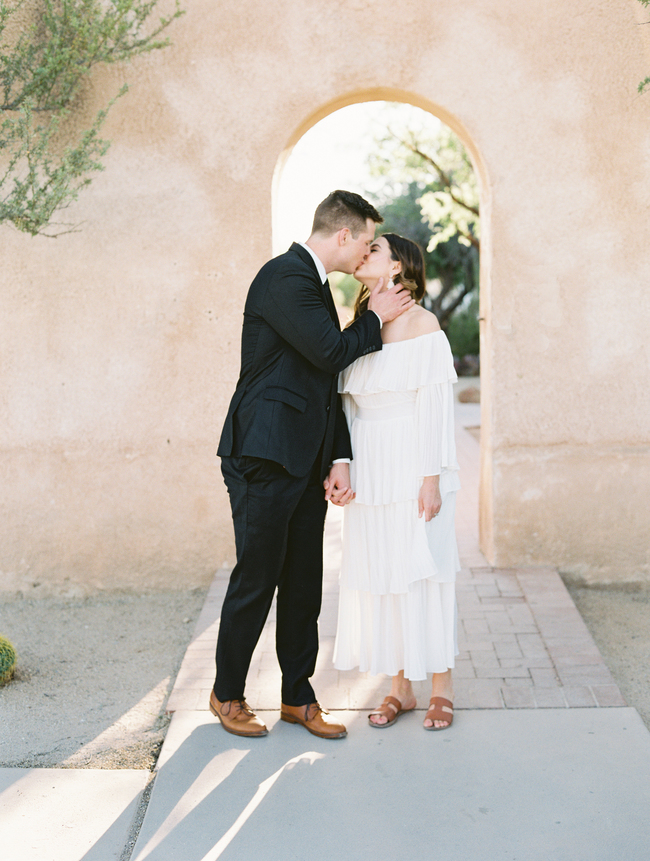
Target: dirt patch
(619, 622)
(92, 678)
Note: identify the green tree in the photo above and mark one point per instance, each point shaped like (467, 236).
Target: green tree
(43, 67)
(441, 166)
(431, 196)
(452, 262)
(645, 83)
(463, 331)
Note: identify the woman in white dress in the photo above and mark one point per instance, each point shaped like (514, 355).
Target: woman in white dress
(397, 605)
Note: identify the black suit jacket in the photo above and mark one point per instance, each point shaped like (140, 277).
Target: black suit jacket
(286, 403)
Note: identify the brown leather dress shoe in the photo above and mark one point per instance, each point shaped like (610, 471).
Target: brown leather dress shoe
(315, 719)
(236, 717)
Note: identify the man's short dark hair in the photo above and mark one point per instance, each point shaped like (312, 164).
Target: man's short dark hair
(344, 209)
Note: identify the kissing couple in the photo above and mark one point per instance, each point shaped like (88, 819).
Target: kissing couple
(361, 418)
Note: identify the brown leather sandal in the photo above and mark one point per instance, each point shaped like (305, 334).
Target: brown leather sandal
(440, 709)
(391, 708)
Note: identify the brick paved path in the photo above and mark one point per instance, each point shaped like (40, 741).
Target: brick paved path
(522, 642)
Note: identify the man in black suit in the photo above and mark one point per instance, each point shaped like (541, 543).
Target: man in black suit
(285, 433)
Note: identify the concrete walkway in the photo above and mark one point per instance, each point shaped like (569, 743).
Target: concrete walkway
(544, 761)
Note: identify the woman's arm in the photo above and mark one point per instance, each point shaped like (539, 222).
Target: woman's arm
(429, 417)
(429, 499)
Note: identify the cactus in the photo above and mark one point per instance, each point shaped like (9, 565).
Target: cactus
(7, 660)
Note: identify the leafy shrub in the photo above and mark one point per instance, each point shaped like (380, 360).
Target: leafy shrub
(463, 331)
(7, 660)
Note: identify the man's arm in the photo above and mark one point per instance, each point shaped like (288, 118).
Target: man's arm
(294, 306)
(341, 445)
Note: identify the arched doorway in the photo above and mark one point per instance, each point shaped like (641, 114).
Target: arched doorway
(296, 193)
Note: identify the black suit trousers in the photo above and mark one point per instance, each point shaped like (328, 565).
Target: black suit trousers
(279, 521)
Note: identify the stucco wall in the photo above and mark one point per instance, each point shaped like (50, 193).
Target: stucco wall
(119, 343)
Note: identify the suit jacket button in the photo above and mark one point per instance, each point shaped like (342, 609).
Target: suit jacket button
(327, 409)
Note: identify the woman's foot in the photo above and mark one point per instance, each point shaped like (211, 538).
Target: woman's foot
(402, 691)
(440, 714)
(441, 686)
(387, 713)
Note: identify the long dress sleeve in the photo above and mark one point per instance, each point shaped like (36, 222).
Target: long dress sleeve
(349, 408)
(429, 428)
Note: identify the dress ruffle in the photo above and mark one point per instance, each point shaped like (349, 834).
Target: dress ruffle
(386, 548)
(401, 366)
(415, 632)
(399, 407)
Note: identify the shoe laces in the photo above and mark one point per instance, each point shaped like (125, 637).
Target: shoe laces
(313, 710)
(242, 708)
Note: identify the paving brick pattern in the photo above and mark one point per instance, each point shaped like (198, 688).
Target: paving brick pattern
(522, 643)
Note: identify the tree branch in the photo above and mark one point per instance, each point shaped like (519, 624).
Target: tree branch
(446, 179)
(41, 72)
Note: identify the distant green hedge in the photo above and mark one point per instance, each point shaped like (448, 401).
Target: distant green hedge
(462, 331)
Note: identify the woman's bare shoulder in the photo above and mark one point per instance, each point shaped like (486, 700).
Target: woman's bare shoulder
(423, 322)
(411, 324)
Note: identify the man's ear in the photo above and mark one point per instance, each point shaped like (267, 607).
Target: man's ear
(344, 235)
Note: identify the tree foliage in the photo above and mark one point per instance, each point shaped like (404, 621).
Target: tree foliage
(431, 197)
(645, 83)
(451, 264)
(43, 67)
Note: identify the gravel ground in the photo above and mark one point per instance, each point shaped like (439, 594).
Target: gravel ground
(619, 622)
(93, 676)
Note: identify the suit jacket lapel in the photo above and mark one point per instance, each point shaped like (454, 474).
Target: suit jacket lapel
(329, 301)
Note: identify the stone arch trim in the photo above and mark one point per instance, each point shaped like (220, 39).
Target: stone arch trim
(390, 94)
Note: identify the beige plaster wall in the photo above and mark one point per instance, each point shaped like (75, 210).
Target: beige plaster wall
(119, 343)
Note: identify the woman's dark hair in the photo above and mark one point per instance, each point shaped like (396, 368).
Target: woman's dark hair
(412, 276)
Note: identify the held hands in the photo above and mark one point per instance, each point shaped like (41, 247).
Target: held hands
(389, 304)
(337, 485)
(429, 499)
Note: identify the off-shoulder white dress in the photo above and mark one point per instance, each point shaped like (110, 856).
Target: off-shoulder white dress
(397, 604)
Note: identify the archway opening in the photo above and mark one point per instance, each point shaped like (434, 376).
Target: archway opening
(416, 164)
(415, 169)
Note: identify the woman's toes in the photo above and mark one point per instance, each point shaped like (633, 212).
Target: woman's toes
(439, 724)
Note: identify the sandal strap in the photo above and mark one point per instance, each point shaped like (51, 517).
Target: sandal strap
(441, 701)
(440, 709)
(389, 708)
